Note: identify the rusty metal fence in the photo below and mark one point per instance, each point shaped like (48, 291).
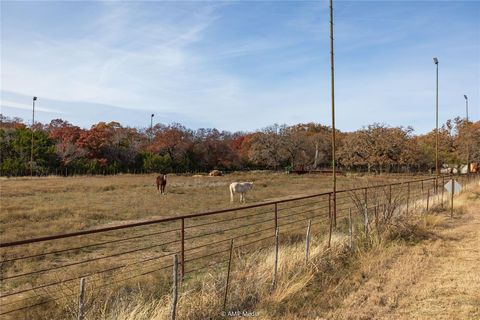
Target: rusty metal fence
(39, 273)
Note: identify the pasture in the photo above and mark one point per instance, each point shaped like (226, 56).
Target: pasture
(49, 205)
(52, 205)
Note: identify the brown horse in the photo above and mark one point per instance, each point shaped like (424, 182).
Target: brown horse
(161, 183)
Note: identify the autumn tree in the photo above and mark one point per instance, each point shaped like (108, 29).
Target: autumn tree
(66, 136)
(268, 149)
(110, 147)
(172, 140)
(377, 147)
(447, 154)
(467, 140)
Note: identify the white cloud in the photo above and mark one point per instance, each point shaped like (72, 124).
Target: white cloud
(16, 105)
(163, 60)
(118, 63)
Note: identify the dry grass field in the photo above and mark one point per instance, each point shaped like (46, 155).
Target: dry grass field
(50, 205)
(435, 277)
(424, 267)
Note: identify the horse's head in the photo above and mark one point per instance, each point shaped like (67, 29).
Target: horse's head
(250, 183)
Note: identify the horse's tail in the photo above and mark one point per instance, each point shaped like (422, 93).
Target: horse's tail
(231, 193)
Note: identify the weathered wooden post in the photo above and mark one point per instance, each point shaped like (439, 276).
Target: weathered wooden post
(228, 275)
(365, 197)
(275, 267)
(408, 195)
(443, 188)
(330, 219)
(376, 220)
(428, 199)
(183, 248)
(453, 193)
(365, 221)
(307, 241)
(276, 217)
(390, 195)
(415, 202)
(350, 228)
(174, 288)
(81, 305)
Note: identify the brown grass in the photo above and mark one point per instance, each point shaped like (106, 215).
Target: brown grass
(51, 205)
(435, 278)
(421, 268)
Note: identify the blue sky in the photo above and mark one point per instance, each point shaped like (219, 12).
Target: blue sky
(239, 65)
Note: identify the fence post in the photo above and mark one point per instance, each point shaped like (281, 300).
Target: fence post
(307, 241)
(275, 267)
(366, 197)
(174, 288)
(350, 228)
(376, 220)
(81, 306)
(408, 195)
(183, 248)
(228, 275)
(453, 192)
(335, 208)
(276, 216)
(390, 195)
(365, 221)
(330, 219)
(428, 198)
(443, 188)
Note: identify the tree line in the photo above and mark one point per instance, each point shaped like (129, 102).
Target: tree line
(63, 148)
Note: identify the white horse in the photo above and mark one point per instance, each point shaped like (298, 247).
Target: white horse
(240, 187)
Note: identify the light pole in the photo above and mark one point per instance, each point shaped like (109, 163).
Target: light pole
(33, 124)
(151, 125)
(334, 169)
(435, 60)
(467, 135)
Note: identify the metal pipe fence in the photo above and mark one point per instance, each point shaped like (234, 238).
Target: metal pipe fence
(42, 271)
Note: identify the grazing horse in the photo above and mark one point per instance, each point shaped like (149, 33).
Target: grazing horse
(240, 187)
(161, 183)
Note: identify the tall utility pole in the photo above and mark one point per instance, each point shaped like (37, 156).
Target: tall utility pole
(435, 60)
(467, 138)
(33, 124)
(334, 166)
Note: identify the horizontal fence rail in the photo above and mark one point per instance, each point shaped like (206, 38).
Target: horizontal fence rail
(45, 270)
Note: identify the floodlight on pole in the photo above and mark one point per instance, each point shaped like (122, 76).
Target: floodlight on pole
(467, 138)
(435, 60)
(151, 125)
(31, 129)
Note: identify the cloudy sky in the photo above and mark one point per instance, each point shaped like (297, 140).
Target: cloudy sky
(239, 65)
